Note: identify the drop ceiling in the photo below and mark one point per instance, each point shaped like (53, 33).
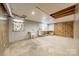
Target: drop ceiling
(39, 12)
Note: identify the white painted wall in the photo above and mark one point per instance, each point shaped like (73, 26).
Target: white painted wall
(29, 27)
(64, 19)
(51, 27)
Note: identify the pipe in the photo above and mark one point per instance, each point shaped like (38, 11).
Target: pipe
(7, 7)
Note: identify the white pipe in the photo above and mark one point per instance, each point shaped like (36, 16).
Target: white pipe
(7, 7)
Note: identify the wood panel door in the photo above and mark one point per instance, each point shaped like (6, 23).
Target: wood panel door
(64, 29)
(69, 29)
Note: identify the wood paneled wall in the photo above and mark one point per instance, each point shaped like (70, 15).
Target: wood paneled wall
(64, 29)
(4, 41)
(3, 36)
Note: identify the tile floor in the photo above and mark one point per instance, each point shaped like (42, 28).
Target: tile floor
(43, 46)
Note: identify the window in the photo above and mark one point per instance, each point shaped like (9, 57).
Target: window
(17, 25)
(44, 27)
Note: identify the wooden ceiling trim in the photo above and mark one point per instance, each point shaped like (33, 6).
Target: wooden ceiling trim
(65, 12)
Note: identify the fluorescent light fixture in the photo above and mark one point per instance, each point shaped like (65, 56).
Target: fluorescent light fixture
(3, 18)
(16, 20)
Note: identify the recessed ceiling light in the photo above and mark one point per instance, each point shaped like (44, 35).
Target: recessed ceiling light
(33, 12)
